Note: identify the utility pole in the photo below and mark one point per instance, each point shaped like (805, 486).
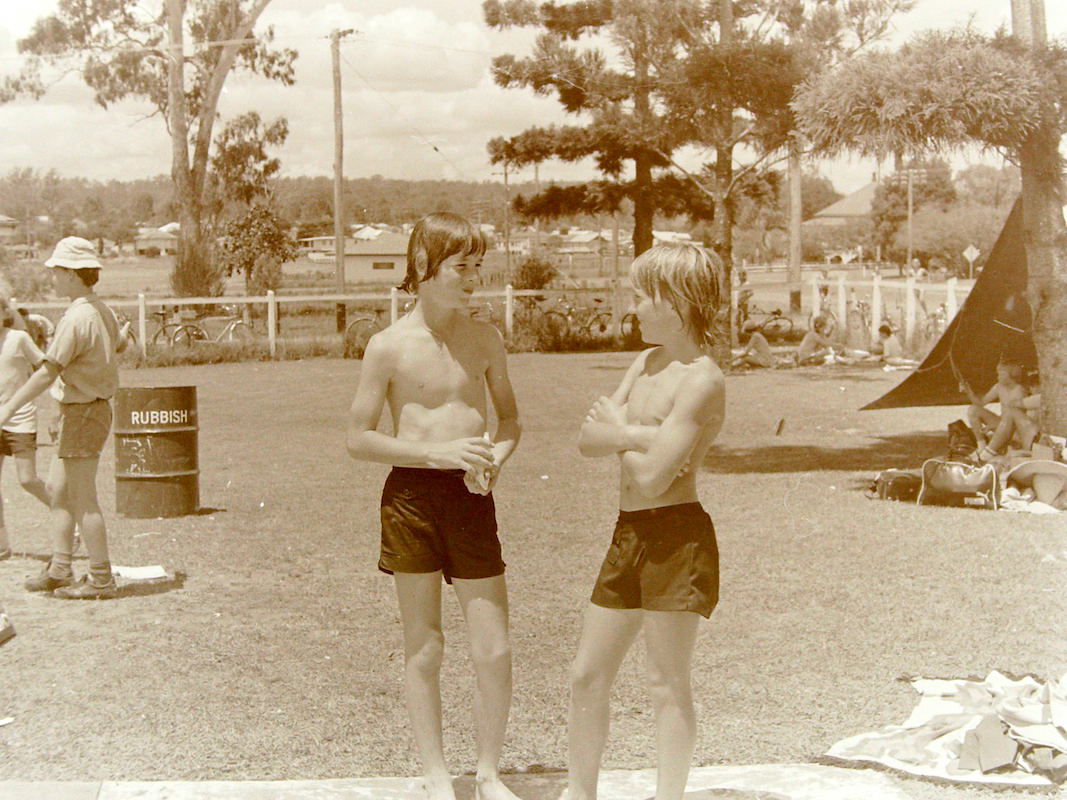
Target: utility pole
(338, 174)
(537, 220)
(795, 250)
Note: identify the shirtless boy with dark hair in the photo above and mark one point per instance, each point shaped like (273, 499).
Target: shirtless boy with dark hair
(433, 367)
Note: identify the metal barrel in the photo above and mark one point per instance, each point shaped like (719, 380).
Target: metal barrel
(157, 470)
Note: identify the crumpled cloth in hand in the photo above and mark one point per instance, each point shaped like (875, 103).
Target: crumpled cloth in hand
(952, 723)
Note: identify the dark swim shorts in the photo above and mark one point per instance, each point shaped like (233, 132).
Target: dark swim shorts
(430, 522)
(661, 559)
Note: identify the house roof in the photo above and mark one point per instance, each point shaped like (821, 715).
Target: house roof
(854, 206)
(387, 244)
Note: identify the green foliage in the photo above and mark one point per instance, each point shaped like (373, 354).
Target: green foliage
(534, 273)
(255, 245)
(121, 53)
(241, 165)
(940, 235)
(22, 280)
(942, 90)
(889, 209)
(195, 272)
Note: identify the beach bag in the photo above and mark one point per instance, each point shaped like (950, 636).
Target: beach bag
(961, 441)
(953, 483)
(895, 484)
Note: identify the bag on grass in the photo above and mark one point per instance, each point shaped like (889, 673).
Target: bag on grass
(961, 441)
(953, 483)
(895, 484)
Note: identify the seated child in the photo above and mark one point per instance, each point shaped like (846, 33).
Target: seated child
(993, 431)
(816, 344)
(891, 351)
(757, 352)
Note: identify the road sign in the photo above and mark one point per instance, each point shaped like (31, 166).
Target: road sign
(971, 253)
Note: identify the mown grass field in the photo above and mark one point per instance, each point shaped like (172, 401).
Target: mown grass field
(280, 655)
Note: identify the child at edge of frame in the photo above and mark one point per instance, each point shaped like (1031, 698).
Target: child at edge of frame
(661, 572)
(81, 367)
(438, 519)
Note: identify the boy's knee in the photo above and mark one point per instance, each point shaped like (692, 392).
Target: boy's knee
(428, 654)
(586, 680)
(493, 657)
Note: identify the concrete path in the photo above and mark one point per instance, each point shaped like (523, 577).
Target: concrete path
(758, 782)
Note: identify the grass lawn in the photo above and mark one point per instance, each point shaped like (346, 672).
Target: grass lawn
(280, 656)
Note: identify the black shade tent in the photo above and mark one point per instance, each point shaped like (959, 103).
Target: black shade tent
(994, 323)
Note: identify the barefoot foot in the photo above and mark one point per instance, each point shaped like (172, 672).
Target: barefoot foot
(492, 789)
(438, 789)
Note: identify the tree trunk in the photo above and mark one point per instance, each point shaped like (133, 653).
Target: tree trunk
(1045, 237)
(644, 210)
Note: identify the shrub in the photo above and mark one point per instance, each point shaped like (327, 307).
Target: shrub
(226, 352)
(534, 273)
(25, 281)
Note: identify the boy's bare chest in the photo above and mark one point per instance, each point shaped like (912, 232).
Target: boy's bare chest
(652, 398)
(437, 373)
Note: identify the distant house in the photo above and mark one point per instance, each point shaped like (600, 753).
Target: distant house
(583, 242)
(157, 241)
(8, 228)
(855, 207)
(379, 260)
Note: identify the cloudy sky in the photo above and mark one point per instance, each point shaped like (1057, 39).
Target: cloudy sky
(418, 100)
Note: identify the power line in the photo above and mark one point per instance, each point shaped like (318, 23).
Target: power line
(414, 132)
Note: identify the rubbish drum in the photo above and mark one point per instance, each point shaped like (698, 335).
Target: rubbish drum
(157, 470)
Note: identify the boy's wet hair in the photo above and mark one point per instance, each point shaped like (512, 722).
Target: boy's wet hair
(434, 238)
(690, 278)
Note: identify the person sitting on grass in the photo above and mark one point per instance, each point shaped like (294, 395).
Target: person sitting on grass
(19, 357)
(82, 362)
(757, 352)
(1016, 422)
(994, 431)
(890, 351)
(661, 573)
(433, 367)
(816, 344)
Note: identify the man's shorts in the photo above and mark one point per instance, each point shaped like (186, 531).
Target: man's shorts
(83, 428)
(661, 559)
(17, 444)
(430, 522)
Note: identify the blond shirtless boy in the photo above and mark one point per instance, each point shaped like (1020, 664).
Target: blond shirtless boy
(433, 367)
(661, 571)
(993, 431)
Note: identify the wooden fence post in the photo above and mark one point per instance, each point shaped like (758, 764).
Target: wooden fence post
(951, 303)
(876, 307)
(142, 324)
(842, 304)
(909, 309)
(272, 320)
(816, 300)
(394, 304)
(509, 309)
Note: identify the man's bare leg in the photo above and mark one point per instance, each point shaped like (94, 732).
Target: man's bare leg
(607, 634)
(669, 640)
(61, 519)
(485, 608)
(419, 597)
(981, 418)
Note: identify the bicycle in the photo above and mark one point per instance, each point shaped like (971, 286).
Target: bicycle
(234, 330)
(569, 316)
(365, 325)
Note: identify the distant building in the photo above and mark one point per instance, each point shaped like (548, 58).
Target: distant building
(157, 241)
(855, 207)
(583, 242)
(670, 237)
(379, 260)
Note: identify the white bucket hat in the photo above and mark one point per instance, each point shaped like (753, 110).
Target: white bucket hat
(73, 252)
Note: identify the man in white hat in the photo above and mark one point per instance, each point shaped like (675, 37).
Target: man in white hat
(82, 363)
